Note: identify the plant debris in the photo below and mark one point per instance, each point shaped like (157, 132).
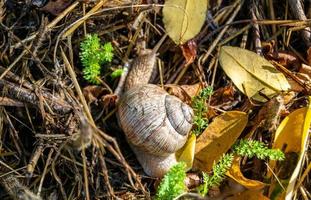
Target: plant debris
(59, 135)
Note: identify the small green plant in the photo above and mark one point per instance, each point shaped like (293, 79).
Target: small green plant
(251, 148)
(172, 183)
(93, 55)
(241, 148)
(117, 73)
(219, 171)
(200, 122)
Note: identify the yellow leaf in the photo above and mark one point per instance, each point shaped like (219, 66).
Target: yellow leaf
(248, 195)
(183, 19)
(289, 134)
(186, 154)
(251, 73)
(293, 133)
(235, 173)
(290, 130)
(218, 138)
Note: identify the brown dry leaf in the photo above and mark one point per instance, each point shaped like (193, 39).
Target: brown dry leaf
(249, 195)
(184, 92)
(305, 69)
(217, 138)
(268, 116)
(252, 74)
(235, 173)
(183, 19)
(224, 98)
(189, 50)
(296, 87)
(55, 7)
(285, 58)
(309, 56)
(92, 93)
(109, 100)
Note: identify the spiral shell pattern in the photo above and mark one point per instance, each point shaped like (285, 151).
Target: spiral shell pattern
(153, 120)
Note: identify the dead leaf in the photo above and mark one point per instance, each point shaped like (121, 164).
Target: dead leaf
(248, 195)
(296, 87)
(268, 116)
(92, 93)
(289, 132)
(109, 100)
(224, 98)
(193, 180)
(183, 19)
(186, 154)
(285, 58)
(189, 50)
(184, 92)
(309, 55)
(251, 73)
(55, 7)
(217, 138)
(235, 173)
(293, 134)
(305, 69)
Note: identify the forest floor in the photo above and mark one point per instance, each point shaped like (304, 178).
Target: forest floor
(59, 134)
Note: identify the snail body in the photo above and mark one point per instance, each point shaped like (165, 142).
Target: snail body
(155, 123)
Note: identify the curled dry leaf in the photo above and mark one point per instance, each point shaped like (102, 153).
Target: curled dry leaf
(184, 92)
(236, 174)
(224, 98)
(217, 138)
(193, 180)
(268, 116)
(293, 134)
(55, 7)
(296, 87)
(92, 93)
(189, 50)
(183, 19)
(285, 58)
(309, 55)
(305, 69)
(248, 195)
(253, 75)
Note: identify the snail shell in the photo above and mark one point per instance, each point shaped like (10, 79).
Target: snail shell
(156, 125)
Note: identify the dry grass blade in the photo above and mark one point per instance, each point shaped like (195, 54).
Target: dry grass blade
(2, 10)
(60, 143)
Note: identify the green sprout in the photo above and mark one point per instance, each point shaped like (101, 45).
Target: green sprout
(117, 73)
(258, 149)
(219, 171)
(172, 183)
(93, 55)
(200, 109)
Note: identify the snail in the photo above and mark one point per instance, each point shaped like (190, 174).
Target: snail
(155, 123)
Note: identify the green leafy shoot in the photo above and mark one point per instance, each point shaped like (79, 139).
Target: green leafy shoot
(117, 73)
(200, 109)
(219, 171)
(172, 184)
(241, 148)
(251, 148)
(93, 54)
